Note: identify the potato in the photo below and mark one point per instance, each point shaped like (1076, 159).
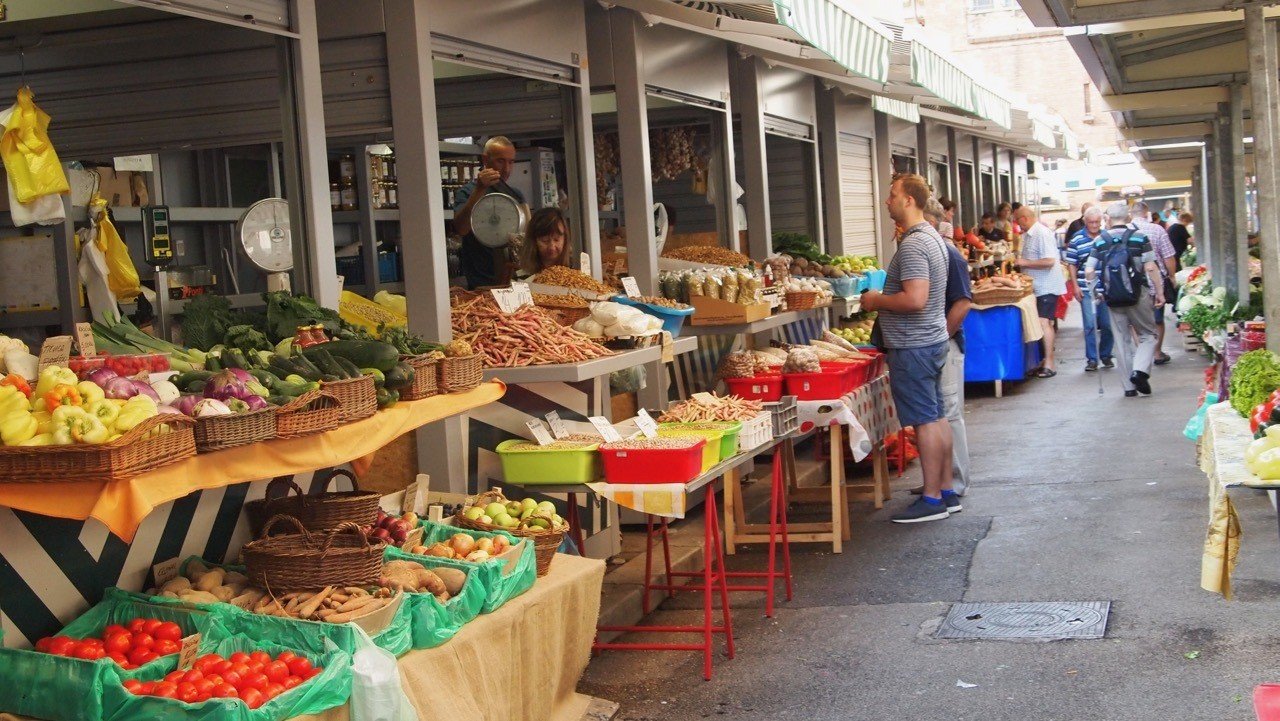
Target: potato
(224, 593)
(233, 578)
(198, 597)
(453, 578)
(177, 585)
(210, 580)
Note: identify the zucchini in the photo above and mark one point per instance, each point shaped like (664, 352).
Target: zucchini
(365, 353)
(400, 376)
(347, 366)
(213, 363)
(307, 369)
(266, 378)
(324, 361)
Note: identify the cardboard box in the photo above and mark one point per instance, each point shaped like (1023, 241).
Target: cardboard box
(711, 311)
(119, 188)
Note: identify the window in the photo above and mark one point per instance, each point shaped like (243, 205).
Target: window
(980, 6)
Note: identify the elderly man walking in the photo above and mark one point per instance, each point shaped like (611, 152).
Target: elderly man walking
(1094, 315)
(1039, 259)
(1166, 263)
(1131, 288)
(913, 326)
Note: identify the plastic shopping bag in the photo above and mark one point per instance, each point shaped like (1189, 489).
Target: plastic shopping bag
(45, 210)
(122, 276)
(1195, 426)
(376, 694)
(29, 157)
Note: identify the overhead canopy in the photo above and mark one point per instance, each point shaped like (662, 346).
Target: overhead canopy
(941, 80)
(901, 109)
(860, 45)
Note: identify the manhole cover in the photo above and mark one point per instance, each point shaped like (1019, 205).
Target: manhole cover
(1040, 620)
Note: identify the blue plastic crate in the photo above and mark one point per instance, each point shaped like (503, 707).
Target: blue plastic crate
(389, 267)
(672, 319)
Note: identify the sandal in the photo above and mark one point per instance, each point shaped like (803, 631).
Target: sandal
(1045, 373)
(1162, 359)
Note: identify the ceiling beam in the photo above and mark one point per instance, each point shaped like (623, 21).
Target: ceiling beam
(1168, 132)
(1138, 57)
(1166, 98)
(1142, 9)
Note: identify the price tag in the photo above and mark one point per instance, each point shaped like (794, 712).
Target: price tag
(165, 571)
(435, 513)
(420, 493)
(620, 249)
(341, 282)
(523, 293)
(540, 432)
(631, 287)
(187, 654)
(647, 425)
(509, 300)
(605, 429)
(668, 347)
(558, 428)
(56, 351)
(584, 262)
(705, 399)
(84, 339)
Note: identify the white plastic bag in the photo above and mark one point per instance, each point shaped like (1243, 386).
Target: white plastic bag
(376, 694)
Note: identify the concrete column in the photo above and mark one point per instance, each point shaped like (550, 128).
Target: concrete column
(980, 201)
(883, 168)
(1207, 226)
(417, 141)
(1260, 35)
(995, 176)
(828, 151)
(922, 151)
(1015, 171)
(750, 107)
(580, 154)
(1232, 222)
(953, 169)
(306, 158)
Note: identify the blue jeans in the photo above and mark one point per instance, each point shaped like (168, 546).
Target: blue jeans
(1096, 318)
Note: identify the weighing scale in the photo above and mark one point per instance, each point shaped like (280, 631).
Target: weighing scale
(495, 218)
(158, 248)
(265, 240)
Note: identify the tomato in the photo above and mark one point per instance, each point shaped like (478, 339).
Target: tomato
(272, 690)
(119, 642)
(140, 656)
(187, 692)
(151, 624)
(239, 657)
(141, 639)
(43, 644)
(132, 684)
(225, 690)
(292, 682)
(222, 666)
(252, 697)
(255, 680)
(213, 678)
(256, 666)
(192, 676)
(164, 648)
(120, 659)
(112, 629)
(88, 651)
(300, 666)
(168, 631)
(313, 673)
(174, 676)
(203, 696)
(232, 678)
(286, 656)
(261, 657)
(165, 690)
(239, 669)
(276, 671)
(135, 626)
(61, 645)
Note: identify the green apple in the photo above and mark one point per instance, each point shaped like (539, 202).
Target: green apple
(473, 513)
(546, 507)
(529, 504)
(557, 520)
(493, 509)
(512, 522)
(527, 512)
(485, 519)
(501, 518)
(515, 507)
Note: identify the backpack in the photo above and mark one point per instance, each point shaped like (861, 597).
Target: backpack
(1122, 283)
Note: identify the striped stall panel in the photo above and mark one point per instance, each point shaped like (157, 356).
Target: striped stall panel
(935, 73)
(802, 331)
(900, 109)
(53, 569)
(857, 195)
(988, 104)
(859, 45)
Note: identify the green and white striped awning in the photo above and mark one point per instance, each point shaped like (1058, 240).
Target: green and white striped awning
(939, 76)
(909, 112)
(987, 104)
(1069, 143)
(1042, 133)
(859, 45)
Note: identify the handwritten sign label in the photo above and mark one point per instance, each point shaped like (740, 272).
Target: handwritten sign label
(56, 351)
(668, 347)
(165, 571)
(540, 432)
(509, 300)
(522, 292)
(84, 338)
(630, 286)
(605, 429)
(187, 655)
(646, 423)
(558, 427)
(435, 513)
(705, 399)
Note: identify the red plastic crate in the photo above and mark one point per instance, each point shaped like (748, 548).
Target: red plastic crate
(125, 365)
(822, 386)
(850, 370)
(756, 388)
(653, 465)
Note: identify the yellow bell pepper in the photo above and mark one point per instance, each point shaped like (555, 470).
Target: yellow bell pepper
(17, 427)
(11, 400)
(73, 424)
(136, 410)
(44, 422)
(89, 392)
(53, 376)
(40, 439)
(39, 406)
(105, 411)
(63, 395)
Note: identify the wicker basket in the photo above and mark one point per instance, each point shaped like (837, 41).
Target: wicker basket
(214, 433)
(357, 397)
(545, 542)
(424, 377)
(311, 412)
(319, 512)
(802, 300)
(1000, 296)
(461, 373)
(305, 561)
(566, 315)
(133, 453)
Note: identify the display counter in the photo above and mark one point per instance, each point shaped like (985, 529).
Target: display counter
(774, 321)
(1001, 343)
(586, 370)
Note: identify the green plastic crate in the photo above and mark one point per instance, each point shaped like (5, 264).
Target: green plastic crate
(552, 466)
(729, 431)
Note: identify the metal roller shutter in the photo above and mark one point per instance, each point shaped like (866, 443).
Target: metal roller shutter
(267, 15)
(790, 185)
(857, 195)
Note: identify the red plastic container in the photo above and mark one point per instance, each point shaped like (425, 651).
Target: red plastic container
(849, 369)
(125, 365)
(756, 388)
(829, 384)
(653, 465)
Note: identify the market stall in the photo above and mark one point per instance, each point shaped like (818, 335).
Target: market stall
(1002, 332)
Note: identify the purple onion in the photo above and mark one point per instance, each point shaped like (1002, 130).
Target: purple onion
(168, 409)
(102, 376)
(241, 374)
(119, 388)
(225, 385)
(144, 389)
(186, 404)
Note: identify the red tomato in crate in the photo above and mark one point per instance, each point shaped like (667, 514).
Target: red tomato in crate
(61, 645)
(257, 681)
(238, 657)
(132, 685)
(151, 624)
(299, 666)
(168, 631)
(233, 678)
(43, 644)
(192, 676)
(252, 697)
(272, 690)
(135, 626)
(143, 640)
(240, 669)
(225, 690)
(288, 656)
(164, 648)
(141, 656)
(261, 657)
(222, 666)
(206, 686)
(187, 692)
(119, 642)
(292, 682)
(88, 651)
(113, 628)
(276, 671)
(174, 676)
(165, 689)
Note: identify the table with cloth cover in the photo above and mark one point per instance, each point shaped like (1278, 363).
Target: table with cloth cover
(1002, 342)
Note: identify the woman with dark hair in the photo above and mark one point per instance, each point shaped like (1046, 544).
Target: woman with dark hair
(546, 242)
(1004, 218)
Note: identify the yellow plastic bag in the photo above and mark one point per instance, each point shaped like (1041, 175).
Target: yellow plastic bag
(122, 276)
(29, 158)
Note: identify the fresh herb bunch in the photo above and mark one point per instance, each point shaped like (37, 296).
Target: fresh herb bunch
(406, 342)
(1253, 378)
(205, 320)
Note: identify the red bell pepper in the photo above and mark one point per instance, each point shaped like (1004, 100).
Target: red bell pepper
(1261, 414)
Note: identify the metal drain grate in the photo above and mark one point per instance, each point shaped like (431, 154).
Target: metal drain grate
(1038, 620)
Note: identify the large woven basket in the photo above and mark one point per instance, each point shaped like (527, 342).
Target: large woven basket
(144, 448)
(424, 377)
(304, 560)
(566, 315)
(214, 433)
(1000, 296)
(460, 373)
(319, 512)
(357, 397)
(545, 542)
(802, 300)
(311, 412)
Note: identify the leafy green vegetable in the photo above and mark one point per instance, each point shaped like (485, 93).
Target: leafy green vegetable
(247, 338)
(406, 342)
(285, 312)
(1254, 376)
(799, 245)
(205, 320)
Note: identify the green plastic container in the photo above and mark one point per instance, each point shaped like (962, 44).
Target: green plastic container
(729, 431)
(501, 581)
(549, 467)
(710, 452)
(432, 622)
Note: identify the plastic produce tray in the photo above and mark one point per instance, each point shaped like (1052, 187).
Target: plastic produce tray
(756, 432)
(653, 465)
(824, 385)
(786, 417)
(672, 318)
(729, 431)
(756, 388)
(549, 467)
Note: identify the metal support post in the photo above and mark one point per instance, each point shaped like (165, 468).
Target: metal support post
(1205, 224)
(883, 167)
(980, 198)
(1260, 37)
(306, 158)
(829, 157)
(580, 156)
(441, 450)
(953, 170)
(1231, 241)
(751, 111)
(995, 177)
(922, 153)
